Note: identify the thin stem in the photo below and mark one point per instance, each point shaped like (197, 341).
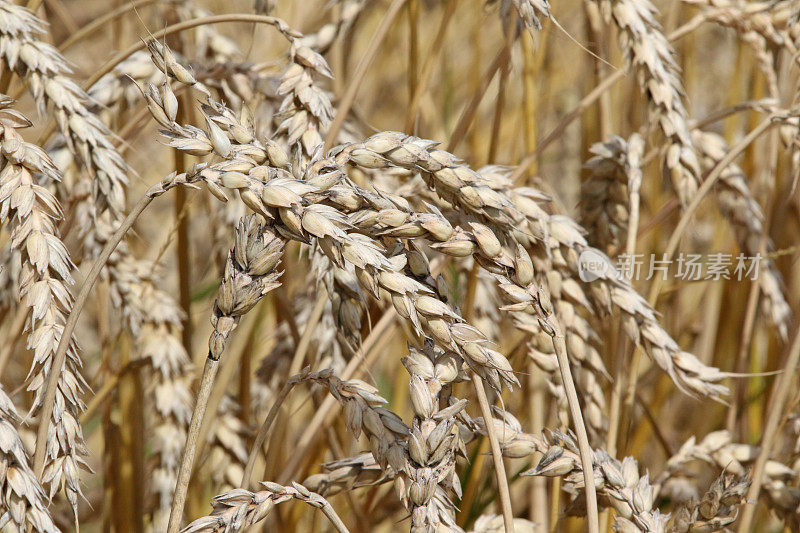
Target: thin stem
(427, 66)
(497, 455)
(591, 98)
(560, 347)
(187, 459)
(308, 332)
(263, 431)
(100, 22)
(361, 70)
(109, 65)
(69, 327)
(672, 246)
(366, 355)
(465, 120)
(783, 384)
(328, 511)
(413, 46)
(741, 356)
(183, 255)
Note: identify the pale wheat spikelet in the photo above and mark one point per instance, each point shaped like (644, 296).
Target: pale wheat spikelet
(23, 502)
(604, 195)
(650, 56)
(629, 494)
(306, 110)
(639, 319)
(364, 413)
(738, 205)
(434, 440)
(346, 306)
(387, 215)
(273, 193)
(632, 496)
(238, 509)
(249, 275)
(228, 448)
(46, 71)
(45, 278)
(422, 457)
(618, 482)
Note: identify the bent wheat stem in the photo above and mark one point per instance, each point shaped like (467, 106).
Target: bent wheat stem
(69, 327)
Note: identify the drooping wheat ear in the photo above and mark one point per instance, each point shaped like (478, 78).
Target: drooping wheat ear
(618, 483)
(650, 56)
(738, 205)
(516, 216)
(249, 274)
(32, 212)
(605, 196)
(273, 193)
(46, 72)
(639, 319)
(420, 458)
(238, 509)
(347, 306)
(22, 499)
(306, 110)
(388, 215)
(270, 192)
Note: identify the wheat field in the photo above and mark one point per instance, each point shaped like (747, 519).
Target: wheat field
(427, 265)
